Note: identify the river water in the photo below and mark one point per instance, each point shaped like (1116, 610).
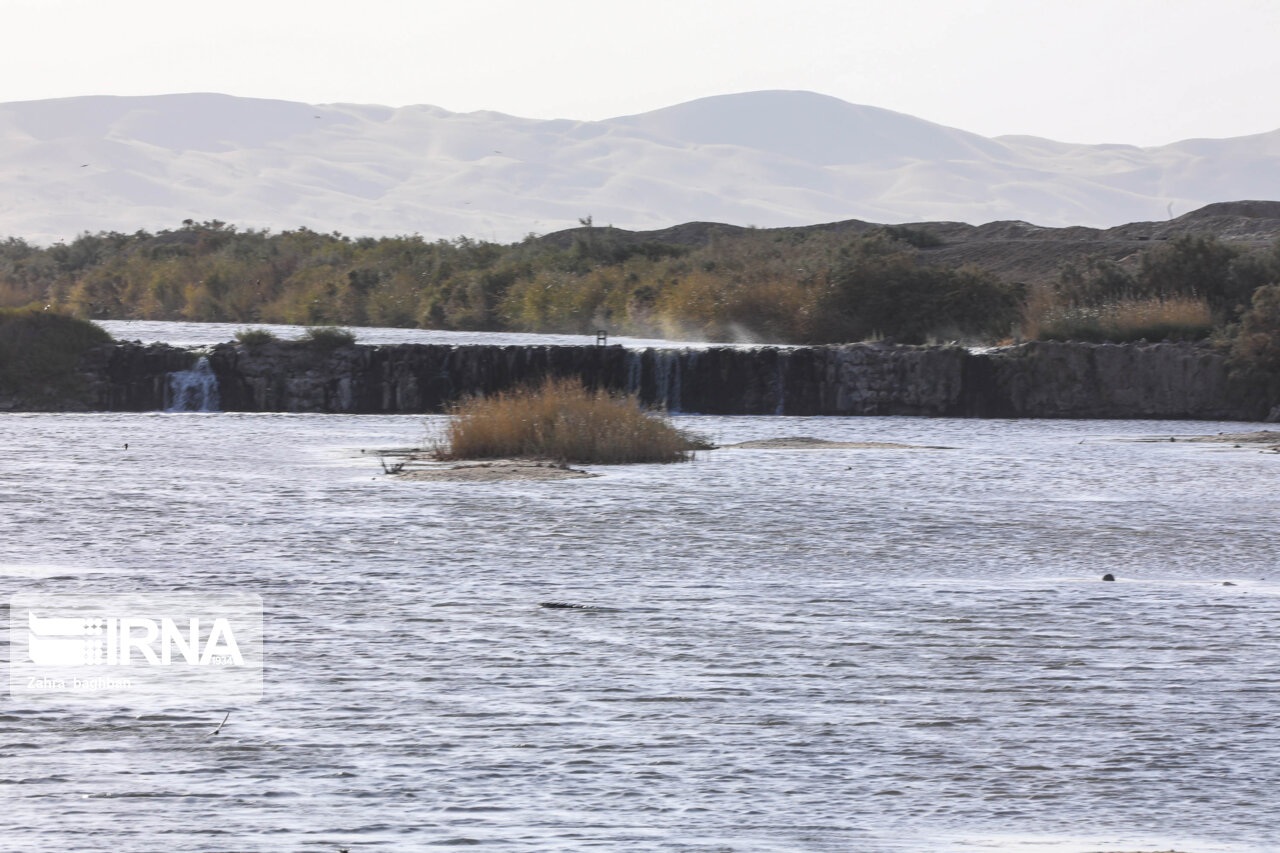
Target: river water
(855, 650)
(207, 334)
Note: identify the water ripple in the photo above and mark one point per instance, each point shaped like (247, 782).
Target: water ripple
(855, 650)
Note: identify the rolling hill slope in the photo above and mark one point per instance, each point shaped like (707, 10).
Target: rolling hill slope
(762, 158)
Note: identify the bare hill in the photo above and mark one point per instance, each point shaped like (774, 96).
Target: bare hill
(770, 159)
(1014, 250)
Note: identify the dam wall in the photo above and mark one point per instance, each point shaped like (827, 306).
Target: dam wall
(850, 380)
(1032, 380)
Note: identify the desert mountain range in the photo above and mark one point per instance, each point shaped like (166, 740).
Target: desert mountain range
(769, 159)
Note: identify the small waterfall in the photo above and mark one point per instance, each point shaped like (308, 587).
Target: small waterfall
(667, 381)
(194, 390)
(634, 366)
(677, 392)
(662, 378)
(781, 382)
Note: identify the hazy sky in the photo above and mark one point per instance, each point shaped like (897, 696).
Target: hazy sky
(1144, 72)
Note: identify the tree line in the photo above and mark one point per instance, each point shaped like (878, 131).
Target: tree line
(790, 286)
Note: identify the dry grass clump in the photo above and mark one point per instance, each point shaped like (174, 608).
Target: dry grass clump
(1188, 316)
(1174, 318)
(563, 421)
(256, 337)
(327, 337)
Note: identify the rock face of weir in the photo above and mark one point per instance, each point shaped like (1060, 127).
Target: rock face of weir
(1045, 380)
(129, 377)
(848, 380)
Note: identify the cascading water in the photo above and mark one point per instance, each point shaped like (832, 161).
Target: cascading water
(674, 402)
(667, 390)
(780, 384)
(662, 378)
(634, 366)
(194, 390)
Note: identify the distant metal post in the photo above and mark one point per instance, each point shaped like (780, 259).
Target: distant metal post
(602, 337)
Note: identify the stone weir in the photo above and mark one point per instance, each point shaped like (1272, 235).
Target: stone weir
(720, 380)
(1031, 380)
(1038, 380)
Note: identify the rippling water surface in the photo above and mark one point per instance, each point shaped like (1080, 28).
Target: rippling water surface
(863, 650)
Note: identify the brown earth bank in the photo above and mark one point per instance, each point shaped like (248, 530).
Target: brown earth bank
(425, 464)
(489, 471)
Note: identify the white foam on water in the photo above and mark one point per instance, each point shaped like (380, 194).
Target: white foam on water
(30, 570)
(194, 390)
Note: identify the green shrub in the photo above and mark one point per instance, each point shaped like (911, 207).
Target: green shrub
(876, 288)
(1255, 352)
(1096, 281)
(1257, 345)
(563, 421)
(328, 337)
(256, 337)
(39, 351)
(1200, 266)
(920, 238)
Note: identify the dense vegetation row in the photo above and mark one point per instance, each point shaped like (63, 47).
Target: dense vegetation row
(794, 286)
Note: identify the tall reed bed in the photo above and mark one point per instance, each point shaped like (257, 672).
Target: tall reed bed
(563, 421)
(1175, 318)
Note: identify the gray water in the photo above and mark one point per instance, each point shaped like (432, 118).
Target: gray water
(861, 650)
(207, 334)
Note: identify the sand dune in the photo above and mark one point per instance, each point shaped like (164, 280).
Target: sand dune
(760, 158)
